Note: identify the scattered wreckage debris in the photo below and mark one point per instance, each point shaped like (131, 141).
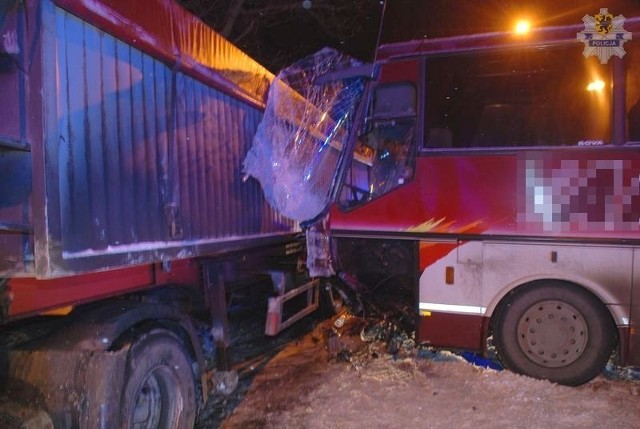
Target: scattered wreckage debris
(303, 386)
(357, 339)
(380, 322)
(366, 339)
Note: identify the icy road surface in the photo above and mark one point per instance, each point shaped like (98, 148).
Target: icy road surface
(328, 381)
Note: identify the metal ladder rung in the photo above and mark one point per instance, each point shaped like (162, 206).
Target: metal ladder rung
(274, 323)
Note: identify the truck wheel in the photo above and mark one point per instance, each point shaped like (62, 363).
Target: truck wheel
(556, 331)
(159, 387)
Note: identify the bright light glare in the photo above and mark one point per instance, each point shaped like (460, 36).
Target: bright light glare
(596, 85)
(522, 27)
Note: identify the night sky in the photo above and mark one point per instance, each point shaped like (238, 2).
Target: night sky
(297, 31)
(412, 19)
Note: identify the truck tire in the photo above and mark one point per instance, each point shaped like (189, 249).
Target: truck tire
(159, 386)
(555, 331)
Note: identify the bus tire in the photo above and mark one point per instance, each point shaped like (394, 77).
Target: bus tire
(159, 387)
(556, 331)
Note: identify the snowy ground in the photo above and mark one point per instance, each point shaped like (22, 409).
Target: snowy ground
(333, 379)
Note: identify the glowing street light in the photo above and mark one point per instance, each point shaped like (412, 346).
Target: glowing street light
(522, 27)
(596, 86)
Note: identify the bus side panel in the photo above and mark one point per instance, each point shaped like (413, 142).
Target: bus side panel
(517, 197)
(561, 192)
(450, 295)
(469, 282)
(449, 194)
(461, 331)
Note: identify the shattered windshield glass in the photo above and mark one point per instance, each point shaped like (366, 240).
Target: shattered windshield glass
(300, 141)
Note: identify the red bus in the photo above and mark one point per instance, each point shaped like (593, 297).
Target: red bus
(504, 188)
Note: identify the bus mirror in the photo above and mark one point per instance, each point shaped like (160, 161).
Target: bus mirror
(365, 71)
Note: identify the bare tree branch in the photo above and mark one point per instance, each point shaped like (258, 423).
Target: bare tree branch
(238, 39)
(278, 31)
(231, 16)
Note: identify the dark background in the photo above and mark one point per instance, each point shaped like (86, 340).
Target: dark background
(278, 32)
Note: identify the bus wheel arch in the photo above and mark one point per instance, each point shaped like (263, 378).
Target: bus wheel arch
(555, 330)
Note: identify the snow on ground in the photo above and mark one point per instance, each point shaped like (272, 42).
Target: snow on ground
(322, 381)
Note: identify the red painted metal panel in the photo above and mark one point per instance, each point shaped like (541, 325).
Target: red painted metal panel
(452, 330)
(467, 194)
(552, 193)
(32, 296)
(633, 356)
(165, 30)
(545, 36)
(399, 72)
(146, 25)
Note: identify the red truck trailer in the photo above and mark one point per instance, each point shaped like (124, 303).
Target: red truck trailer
(496, 179)
(124, 217)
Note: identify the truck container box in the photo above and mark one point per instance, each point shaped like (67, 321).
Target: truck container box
(122, 138)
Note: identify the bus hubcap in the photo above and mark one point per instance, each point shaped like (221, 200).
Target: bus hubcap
(552, 334)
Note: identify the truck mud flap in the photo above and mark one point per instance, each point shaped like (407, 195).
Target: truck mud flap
(80, 397)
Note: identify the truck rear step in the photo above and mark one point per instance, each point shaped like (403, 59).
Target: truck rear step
(276, 321)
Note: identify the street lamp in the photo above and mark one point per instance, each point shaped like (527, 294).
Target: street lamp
(522, 27)
(596, 85)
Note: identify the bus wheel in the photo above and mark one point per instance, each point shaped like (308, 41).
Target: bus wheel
(159, 387)
(556, 331)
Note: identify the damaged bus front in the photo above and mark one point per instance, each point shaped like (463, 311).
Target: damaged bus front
(492, 178)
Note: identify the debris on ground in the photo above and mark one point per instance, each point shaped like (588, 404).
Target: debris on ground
(361, 372)
(356, 371)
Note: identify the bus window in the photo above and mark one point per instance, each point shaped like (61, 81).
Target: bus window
(524, 97)
(390, 143)
(392, 101)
